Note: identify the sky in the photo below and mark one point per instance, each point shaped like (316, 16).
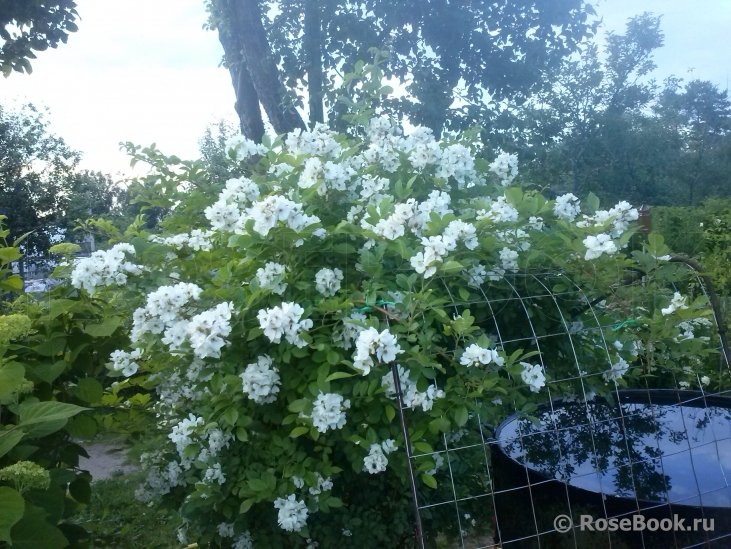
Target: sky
(145, 71)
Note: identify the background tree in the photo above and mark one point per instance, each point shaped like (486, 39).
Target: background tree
(41, 189)
(442, 49)
(33, 25)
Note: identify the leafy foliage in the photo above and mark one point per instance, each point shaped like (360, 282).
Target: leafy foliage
(27, 26)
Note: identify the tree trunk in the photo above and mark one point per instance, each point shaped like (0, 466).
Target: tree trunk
(247, 102)
(313, 52)
(262, 65)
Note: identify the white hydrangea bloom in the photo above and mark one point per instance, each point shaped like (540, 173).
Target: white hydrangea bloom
(214, 474)
(327, 281)
(459, 230)
(126, 362)
(182, 431)
(241, 191)
(456, 161)
(567, 207)
(270, 211)
(271, 276)
(598, 245)
(223, 216)
(384, 345)
(533, 376)
(164, 309)
(328, 411)
(292, 514)
(376, 461)
(474, 355)
(505, 166)
(104, 268)
(616, 371)
(284, 321)
(261, 380)
(678, 302)
(207, 330)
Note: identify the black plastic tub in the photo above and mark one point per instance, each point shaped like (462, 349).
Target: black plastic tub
(656, 453)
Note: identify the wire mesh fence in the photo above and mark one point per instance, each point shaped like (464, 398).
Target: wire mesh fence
(607, 459)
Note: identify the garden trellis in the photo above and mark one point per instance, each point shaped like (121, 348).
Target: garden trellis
(583, 455)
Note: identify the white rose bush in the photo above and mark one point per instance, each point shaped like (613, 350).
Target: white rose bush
(265, 319)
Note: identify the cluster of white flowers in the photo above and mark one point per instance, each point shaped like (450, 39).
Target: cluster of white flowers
(104, 268)
(320, 141)
(126, 362)
(459, 230)
(376, 460)
(243, 541)
(474, 355)
(412, 398)
(261, 381)
(327, 281)
(197, 240)
(330, 176)
(160, 479)
(226, 530)
(271, 277)
(598, 245)
(243, 147)
(214, 474)
(284, 321)
(436, 248)
(292, 514)
(384, 345)
(505, 166)
(617, 370)
(267, 213)
(323, 485)
(163, 312)
(476, 275)
(206, 331)
(678, 302)
(687, 329)
(621, 215)
(501, 211)
(328, 411)
(567, 207)
(344, 337)
(533, 376)
(181, 433)
(226, 212)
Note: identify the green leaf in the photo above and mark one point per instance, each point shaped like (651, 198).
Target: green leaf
(12, 374)
(59, 307)
(334, 502)
(246, 505)
(45, 428)
(423, 447)
(592, 202)
(338, 375)
(241, 434)
(390, 413)
(231, 415)
(254, 333)
(105, 329)
(333, 357)
(39, 412)
(89, 390)
(451, 267)
(9, 439)
(12, 507)
(82, 427)
(460, 416)
(49, 372)
(258, 485)
(51, 347)
(34, 533)
(9, 254)
(80, 490)
(429, 480)
(298, 431)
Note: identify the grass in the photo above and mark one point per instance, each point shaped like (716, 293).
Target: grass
(117, 520)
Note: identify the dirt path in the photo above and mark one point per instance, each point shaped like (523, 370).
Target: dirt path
(106, 459)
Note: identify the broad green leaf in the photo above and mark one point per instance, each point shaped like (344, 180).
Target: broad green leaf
(9, 254)
(49, 372)
(60, 306)
(51, 347)
(257, 485)
(298, 431)
(12, 375)
(12, 507)
(89, 390)
(246, 505)
(38, 412)
(231, 415)
(45, 428)
(592, 202)
(390, 413)
(82, 427)
(36, 533)
(338, 375)
(429, 480)
(105, 329)
(460, 416)
(80, 490)
(9, 439)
